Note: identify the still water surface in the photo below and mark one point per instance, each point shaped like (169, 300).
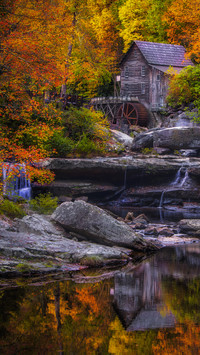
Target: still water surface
(151, 308)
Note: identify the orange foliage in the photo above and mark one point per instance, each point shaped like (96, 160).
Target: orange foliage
(184, 340)
(183, 19)
(30, 44)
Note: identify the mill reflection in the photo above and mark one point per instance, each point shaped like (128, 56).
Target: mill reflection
(139, 295)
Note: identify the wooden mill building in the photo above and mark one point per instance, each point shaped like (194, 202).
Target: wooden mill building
(144, 71)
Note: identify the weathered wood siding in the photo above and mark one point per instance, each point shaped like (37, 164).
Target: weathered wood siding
(158, 82)
(141, 80)
(135, 76)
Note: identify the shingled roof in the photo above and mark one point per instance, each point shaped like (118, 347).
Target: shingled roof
(161, 54)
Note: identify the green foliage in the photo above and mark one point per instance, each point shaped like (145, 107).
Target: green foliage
(11, 209)
(44, 203)
(184, 88)
(143, 20)
(87, 129)
(22, 267)
(83, 121)
(59, 145)
(86, 146)
(149, 151)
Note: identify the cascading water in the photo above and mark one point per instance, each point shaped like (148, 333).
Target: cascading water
(161, 199)
(19, 184)
(185, 178)
(181, 179)
(177, 178)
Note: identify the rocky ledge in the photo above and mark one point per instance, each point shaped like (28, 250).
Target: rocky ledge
(76, 235)
(78, 174)
(80, 235)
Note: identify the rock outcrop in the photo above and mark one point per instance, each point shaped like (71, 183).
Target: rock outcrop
(190, 226)
(98, 226)
(173, 138)
(35, 245)
(113, 170)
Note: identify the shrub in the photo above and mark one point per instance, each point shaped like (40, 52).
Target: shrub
(149, 151)
(11, 209)
(44, 203)
(58, 145)
(184, 87)
(87, 128)
(86, 146)
(79, 122)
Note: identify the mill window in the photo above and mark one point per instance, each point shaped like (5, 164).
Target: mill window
(143, 70)
(126, 72)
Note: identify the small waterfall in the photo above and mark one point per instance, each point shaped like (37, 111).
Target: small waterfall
(180, 179)
(177, 178)
(185, 178)
(161, 199)
(19, 184)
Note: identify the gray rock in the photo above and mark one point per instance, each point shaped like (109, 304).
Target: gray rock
(37, 224)
(151, 230)
(107, 171)
(191, 226)
(143, 140)
(164, 231)
(97, 225)
(173, 138)
(177, 138)
(57, 250)
(122, 138)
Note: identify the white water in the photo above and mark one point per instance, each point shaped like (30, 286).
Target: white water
(19, 185)
(177, 178)
(181, 179)
(185, 178)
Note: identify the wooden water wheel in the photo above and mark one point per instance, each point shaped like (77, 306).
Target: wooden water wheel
(133, 114)
(128, 112)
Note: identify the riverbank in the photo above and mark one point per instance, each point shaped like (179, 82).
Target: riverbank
(35, 245)
(41, 245)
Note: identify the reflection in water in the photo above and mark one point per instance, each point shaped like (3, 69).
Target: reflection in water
(138, 299)
(152, 308)
(167, 214)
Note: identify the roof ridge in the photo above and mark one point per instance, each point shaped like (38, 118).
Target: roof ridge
(156, 53)
(160, 43)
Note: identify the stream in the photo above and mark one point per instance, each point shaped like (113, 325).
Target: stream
(149, 308)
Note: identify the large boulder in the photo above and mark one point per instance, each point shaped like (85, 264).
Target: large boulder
(97, 225)
(178, 138)
(191, 226)
(174, 138)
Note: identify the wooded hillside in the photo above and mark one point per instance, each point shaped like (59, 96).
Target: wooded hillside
(74, 46)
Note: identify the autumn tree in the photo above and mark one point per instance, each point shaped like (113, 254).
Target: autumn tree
(95, 46)
(183, 20)
(132, 15)
(43, 45)
(142, 20)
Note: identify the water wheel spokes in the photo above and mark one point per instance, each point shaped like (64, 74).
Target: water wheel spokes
(128, 112)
